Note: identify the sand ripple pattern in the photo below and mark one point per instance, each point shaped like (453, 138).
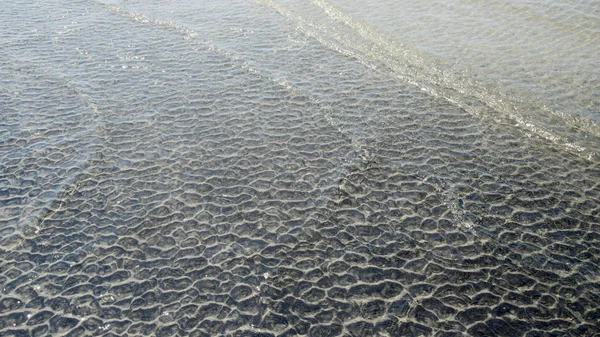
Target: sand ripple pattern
(197, 190)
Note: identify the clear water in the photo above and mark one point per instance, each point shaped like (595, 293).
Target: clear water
(531, 60)
(318, 168)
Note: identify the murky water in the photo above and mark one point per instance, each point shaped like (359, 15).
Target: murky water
(293, 168)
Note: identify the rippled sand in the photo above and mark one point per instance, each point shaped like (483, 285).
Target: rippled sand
(152, 183)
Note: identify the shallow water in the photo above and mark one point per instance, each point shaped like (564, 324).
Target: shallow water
(290, 168)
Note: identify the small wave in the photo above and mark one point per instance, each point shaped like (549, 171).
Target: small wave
(347, 35)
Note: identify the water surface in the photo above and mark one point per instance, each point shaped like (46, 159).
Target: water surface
(286, 168)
